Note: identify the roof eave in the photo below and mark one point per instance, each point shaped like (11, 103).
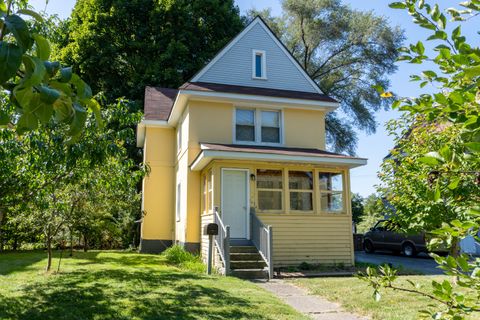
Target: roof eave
(205, 156)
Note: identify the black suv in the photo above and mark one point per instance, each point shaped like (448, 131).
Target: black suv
(382, 237)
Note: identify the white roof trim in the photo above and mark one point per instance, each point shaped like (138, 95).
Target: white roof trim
(208, 155)
(141, 128)
(256, 21)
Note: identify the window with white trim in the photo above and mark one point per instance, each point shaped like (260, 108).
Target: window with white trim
(300, 184)
(331, 191)
(270, 189)
(258, 126)
(259, 64)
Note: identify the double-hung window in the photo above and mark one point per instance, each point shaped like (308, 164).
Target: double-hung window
(270, 189)
(331, 191)
(258, 126)
(300, 184)
(207, 192)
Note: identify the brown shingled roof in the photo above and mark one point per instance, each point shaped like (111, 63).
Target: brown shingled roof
(274, 150)
(159, 102)
(216, 87)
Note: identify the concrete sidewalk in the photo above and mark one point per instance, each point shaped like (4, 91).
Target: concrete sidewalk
(313, 306)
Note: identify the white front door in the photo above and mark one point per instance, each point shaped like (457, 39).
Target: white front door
(235, 202)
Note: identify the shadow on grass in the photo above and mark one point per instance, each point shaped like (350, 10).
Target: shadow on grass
(125, 294)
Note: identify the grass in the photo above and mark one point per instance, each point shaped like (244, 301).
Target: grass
(120, 285)
(356, 296)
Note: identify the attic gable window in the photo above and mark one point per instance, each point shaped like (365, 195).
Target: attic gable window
(259, 64)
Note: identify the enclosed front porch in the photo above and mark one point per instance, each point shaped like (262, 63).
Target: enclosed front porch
(290, 212)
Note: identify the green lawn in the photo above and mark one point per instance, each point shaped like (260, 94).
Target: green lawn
(119, 285)
(356, 296)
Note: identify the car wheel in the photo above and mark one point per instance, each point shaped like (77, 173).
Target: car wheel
(368, 247)
(409, 249)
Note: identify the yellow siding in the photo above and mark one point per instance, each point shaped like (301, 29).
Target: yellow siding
(159, 185)
(304, 128)
(310, 238)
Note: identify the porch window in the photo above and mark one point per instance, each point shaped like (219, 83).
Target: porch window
(245, 125)
(300, 184)
(331, 191)
(270, 189)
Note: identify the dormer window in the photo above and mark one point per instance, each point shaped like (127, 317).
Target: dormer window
(258, 126)
(259, 64)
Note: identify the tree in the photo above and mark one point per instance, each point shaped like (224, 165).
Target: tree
(86, 186)
(346, 52)
(357, 207)
(439, 155)
(38, 89)
(374, 210)
(121, 46)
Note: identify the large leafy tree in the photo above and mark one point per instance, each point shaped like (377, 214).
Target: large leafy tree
(346, 52)
(121, 46)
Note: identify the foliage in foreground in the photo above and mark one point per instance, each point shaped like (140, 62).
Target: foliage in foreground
(38, 89)
(442, 181)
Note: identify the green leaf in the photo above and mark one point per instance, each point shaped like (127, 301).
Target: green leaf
(43, 47)
(66, 74)
(437, 194)
(34, 71)
(10, 60)
(19, 28)
(472, 72)
(442, 35)
(23, 95)
(48, 95)
(3, 6)
(473, 146)
(4, 118)
(52, 67)
(454, 184)
(377, 296)
(397, 5)
(32, 14)
(27, 122)
(456, 32)
(95, 107)
(83, 89)
(442, 22)
(44, 112)
(79, 118)
(63, 108)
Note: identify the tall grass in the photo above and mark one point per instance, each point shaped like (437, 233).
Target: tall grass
(177, 256)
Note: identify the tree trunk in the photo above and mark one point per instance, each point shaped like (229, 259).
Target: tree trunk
(2, 214)
(49, 253)
(71, 242)
(455, 252)
(85, 243)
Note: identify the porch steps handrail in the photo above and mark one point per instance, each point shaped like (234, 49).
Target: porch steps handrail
(262, 238)
(222, 241)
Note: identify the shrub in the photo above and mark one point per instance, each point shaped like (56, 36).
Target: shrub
(176, 255)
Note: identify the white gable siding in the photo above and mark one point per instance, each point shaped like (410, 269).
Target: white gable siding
(235, 66)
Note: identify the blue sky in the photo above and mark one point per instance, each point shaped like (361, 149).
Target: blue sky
(375, 146)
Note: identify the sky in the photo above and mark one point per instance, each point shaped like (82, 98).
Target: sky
(374, 146)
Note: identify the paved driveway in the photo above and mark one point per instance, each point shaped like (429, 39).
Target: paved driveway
(422, 263)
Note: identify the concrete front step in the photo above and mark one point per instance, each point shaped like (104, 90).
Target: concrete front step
(250, 273)
(245, 257)
(247, 264)
(243, 249)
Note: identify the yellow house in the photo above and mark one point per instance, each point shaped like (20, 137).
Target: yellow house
(242, 144)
